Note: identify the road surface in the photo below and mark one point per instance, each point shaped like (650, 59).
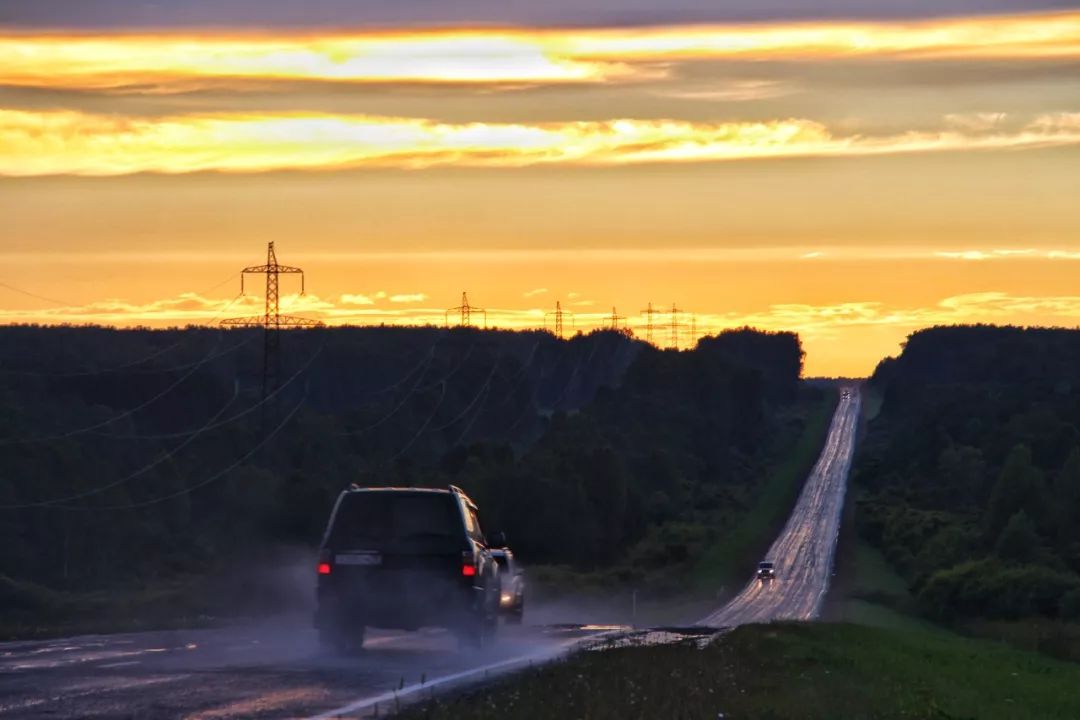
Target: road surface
(804, 551)
(267, 670)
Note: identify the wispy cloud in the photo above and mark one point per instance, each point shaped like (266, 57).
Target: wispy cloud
(408, 298)
(534, 293)
(179, 60)
(356, 299)
(733, 91)
(1007, 254)
(62, 142)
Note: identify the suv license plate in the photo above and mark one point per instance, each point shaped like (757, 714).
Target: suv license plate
(359, 559)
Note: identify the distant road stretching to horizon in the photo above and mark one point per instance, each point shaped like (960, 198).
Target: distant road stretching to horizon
(804, 551)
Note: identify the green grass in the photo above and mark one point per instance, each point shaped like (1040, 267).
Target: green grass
(786, 671)
(730, 560)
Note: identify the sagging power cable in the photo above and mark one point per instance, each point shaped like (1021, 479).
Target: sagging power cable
(131, 411)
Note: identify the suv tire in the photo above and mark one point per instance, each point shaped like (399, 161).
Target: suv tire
(343, 641)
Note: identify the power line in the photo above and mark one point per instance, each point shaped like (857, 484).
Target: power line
(47, 299)
(211, 424)
(423, 428)
(128, 367)
(483, 387)
(137, 473)
(212, 479)
(243, 413)
(127, 413)
(412, 391)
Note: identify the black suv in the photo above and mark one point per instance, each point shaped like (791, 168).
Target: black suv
(405, 558)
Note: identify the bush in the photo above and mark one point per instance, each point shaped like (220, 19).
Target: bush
(988, 588)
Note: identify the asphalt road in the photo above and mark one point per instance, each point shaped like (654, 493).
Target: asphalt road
(271, 669)
(803, 552)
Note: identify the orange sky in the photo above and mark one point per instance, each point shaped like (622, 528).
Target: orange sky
(849, 180)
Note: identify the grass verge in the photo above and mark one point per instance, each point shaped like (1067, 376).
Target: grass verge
(733, 556)
(786, 671)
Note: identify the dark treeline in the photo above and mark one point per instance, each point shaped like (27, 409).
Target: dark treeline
(130, 457)
(971, 471)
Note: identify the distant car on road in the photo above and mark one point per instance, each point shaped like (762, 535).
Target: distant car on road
(512, 598)
(405, 558)
(766, 571)
(845, 393)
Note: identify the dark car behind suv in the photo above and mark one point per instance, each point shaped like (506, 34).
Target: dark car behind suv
(405, 558)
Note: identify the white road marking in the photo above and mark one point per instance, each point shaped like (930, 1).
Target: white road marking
(121, 664)
(502, 666)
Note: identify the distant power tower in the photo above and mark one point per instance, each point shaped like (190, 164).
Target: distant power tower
(616, 321)
(558, 316)
(271, 321)
(650, 314)
(466, 311)
(693, 330)
(675, 326)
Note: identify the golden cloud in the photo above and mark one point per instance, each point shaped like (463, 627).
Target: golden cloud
(66, 142)
(507, 55)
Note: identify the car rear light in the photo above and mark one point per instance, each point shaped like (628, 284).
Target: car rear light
(468, 564)
(324, 563)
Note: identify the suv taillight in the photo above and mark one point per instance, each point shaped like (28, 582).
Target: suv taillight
(468, 564)
(324, 563)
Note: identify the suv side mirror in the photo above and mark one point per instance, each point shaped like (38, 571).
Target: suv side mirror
(498, 539)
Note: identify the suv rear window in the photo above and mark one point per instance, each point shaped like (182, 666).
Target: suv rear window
(375, 519)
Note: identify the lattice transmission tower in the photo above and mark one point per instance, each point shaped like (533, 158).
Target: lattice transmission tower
(466, 311)
(558, 316)
(616, 322)
(675, 326)
(271, 321)
(650, 312)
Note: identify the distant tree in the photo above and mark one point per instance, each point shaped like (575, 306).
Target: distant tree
(1019, 541)
(1019, 487)
(960, 473)
(1066, 499)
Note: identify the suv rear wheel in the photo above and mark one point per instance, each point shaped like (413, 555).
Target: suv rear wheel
(344, 641)
(478, 632)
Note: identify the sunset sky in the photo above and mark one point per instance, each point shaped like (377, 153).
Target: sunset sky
(852, 172)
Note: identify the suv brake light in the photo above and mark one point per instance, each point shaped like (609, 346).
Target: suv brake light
(324, 563)
(468, 564)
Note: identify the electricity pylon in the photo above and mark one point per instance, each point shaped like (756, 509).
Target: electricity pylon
(649, 313)
(272, 320)
(614, 319)
(558, 314)
(466, 311)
